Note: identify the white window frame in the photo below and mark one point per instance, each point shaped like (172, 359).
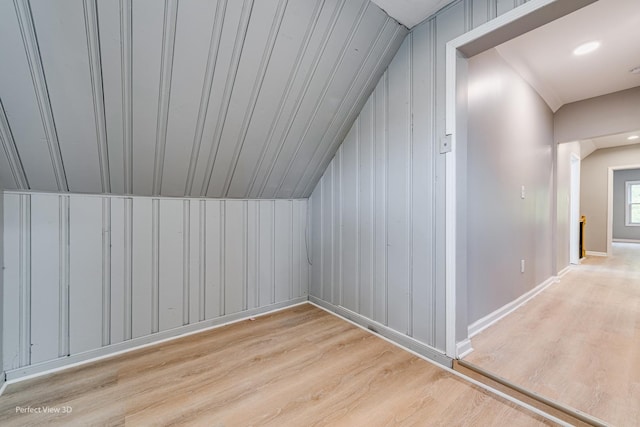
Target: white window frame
(628, 204)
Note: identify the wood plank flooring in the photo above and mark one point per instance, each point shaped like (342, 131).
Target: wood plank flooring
(297, 367)
(578, 342)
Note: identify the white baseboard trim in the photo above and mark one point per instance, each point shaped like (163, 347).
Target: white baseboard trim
(564, 271)
(595, 253)
(626, 240)
(463, 348)
(481, 324)
(396, 337)
(45, 368)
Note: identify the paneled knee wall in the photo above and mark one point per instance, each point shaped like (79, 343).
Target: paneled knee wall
(89, 275)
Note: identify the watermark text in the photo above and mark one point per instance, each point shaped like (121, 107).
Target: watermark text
(44, 410)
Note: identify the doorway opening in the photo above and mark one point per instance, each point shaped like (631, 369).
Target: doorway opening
(575, 246)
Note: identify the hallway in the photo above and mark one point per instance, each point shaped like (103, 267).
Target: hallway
(577, 342)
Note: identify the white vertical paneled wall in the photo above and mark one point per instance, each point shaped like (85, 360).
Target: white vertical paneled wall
(378, 212)
(84, 275)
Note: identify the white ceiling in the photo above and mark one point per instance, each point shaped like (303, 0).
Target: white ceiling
(615, 140)
(410, 12)
(588, 146)
(544, 56)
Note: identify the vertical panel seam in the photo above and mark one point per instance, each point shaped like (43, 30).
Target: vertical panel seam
(205, 96)
(351, 112)
(291, 240)
(325, 90)
(343, 101)
(164, 96)
(302, 93)
(238, 47)
(97, 89)
(245, 254)
(186, 260)
(340, 228)
(321, 236)
(285, 94)
(257, 253)
(63, 316)
(11, 151)
(25, 280)
(432, 88)
(223, 245)
(30, 41)
(374, 200)
(202, 261)
(386, 198)
(106, 271)
(468, 15)
(358, 259)
(410, 185)
(126, 55)
(128, 268)
(492, 9)
(273, 252)
(155, 266)
(332, 223)
(255, 92)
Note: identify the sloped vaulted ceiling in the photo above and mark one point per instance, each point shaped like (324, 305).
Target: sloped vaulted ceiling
(228, 98)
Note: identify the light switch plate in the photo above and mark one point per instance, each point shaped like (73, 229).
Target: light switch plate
(445, 144)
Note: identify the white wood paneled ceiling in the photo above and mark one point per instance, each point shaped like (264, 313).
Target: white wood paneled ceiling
(240, 99)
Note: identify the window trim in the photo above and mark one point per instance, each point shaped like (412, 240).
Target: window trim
(628, 204)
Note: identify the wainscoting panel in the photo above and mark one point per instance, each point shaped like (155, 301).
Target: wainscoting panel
(378, 210)
(85, 273)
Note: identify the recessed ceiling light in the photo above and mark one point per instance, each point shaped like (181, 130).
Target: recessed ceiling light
(585, 48)
(632, 137)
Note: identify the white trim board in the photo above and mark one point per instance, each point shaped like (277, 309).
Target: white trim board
(463, 348)
(564, 271)
(595, 253)
(626, 240)
(481, 324)
(56, 365)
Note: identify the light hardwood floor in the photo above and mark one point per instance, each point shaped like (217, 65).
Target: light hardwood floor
(578, 342)
(298, 367)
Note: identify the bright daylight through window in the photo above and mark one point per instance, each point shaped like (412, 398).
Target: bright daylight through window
(633, 203)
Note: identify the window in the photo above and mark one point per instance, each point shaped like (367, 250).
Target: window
(633, 203)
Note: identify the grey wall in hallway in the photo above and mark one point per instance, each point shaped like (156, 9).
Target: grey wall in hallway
(510, 145)
(600, 116)
(620, 229)
(242, 98)
(593, 190)
(378, 210)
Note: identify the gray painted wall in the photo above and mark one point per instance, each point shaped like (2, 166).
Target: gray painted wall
(510, 144)
(600, 116)
(563, 200)
(620, 229)
(224, 98)
(378, 210)
(593, 190)
(90, 275)
(1, 275)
